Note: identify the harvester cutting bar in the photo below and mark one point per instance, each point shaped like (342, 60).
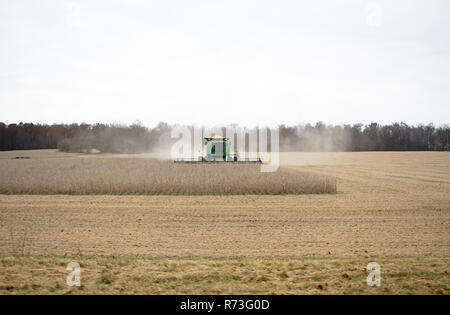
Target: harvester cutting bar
(202, 160)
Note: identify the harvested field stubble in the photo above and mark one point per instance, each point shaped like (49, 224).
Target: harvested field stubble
(144, 176)
(393, 208)
(119, 275)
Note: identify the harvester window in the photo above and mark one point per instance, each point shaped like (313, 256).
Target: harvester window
(218, 148)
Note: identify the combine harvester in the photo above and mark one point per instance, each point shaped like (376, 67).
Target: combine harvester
(218, 151)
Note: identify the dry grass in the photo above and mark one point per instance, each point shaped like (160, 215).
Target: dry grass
(76, 175)
(47, 275)
(21, 242)
(363, 225)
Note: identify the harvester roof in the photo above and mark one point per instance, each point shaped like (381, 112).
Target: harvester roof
(216, 138)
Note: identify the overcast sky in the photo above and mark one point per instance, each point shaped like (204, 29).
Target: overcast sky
(231, 61)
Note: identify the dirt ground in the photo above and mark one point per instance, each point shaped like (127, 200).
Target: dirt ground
(267, 226)
(391, 206)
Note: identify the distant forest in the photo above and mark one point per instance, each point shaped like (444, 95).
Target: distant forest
(136, 138)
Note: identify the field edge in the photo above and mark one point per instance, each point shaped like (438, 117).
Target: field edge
(198, 275)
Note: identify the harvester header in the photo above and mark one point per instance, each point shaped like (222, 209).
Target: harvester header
(218, 150)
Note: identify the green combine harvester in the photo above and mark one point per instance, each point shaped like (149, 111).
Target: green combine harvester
(218, 151)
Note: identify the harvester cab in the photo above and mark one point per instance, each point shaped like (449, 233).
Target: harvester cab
(218, 150)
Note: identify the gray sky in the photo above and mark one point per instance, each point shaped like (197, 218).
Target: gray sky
(236, 61)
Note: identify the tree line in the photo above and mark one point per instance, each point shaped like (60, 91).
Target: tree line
(359, 137)
(110, 138)
(136, 138)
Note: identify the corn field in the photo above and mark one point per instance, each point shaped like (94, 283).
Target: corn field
(79, 176)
